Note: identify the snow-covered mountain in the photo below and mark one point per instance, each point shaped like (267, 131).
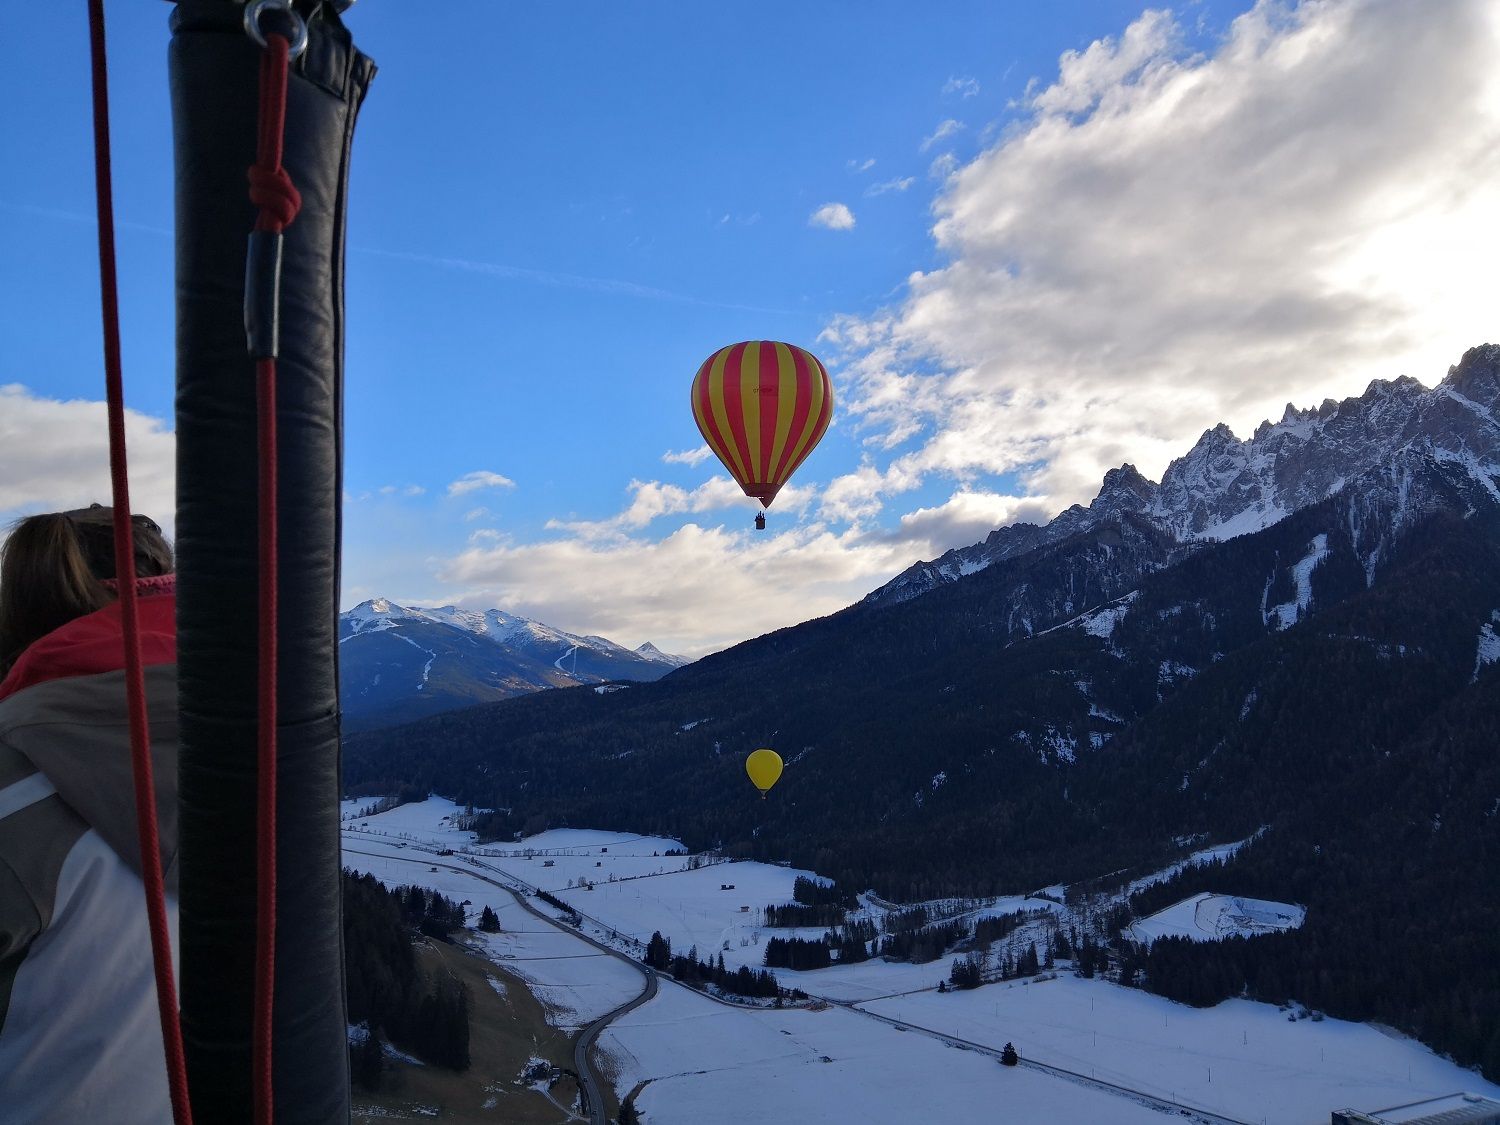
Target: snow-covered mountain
(1225, 486)
(398, 663)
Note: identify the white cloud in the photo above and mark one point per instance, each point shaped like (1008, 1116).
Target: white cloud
(944, 130)
(858, 496)
(1085, 77)
(473, 482)
(900, 183)
(968, 516)
(54, 455)
(1166, 240)
(858, 166)
(694, 591)
(963, 87)
(700, 588)
(943, 166)
(688, 456)
(651, 500)
(834, 216)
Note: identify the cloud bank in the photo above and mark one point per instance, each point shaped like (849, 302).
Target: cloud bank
(54, 455)
(1164, 240)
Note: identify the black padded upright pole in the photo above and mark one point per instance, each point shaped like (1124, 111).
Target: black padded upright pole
(213, 68)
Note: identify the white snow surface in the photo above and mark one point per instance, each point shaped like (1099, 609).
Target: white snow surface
(575, 982)
(710, 1063)
(702, 1056)
(1489, 644)
(1101, 622)
(1205, 855)
(1211, 917)
(1241, 1059)
(1289, 613)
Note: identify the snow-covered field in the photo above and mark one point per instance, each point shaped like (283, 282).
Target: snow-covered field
(575, 982)
(1241, 1059)
(1210, 917)
(706, 1061)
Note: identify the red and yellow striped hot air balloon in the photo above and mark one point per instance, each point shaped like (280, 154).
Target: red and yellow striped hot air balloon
(762, 406)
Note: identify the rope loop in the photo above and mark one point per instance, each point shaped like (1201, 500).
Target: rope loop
(272, 190)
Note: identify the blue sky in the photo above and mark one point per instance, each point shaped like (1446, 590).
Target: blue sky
(1060, 236)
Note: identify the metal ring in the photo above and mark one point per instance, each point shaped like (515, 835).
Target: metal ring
(253, 12)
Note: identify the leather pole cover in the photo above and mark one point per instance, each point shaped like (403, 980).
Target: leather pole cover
(213, 69)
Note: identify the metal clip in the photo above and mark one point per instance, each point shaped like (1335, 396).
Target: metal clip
(253, 12)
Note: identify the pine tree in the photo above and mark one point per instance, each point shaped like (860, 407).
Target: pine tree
(489, 921)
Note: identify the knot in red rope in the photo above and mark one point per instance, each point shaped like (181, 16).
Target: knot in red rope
(272, 190)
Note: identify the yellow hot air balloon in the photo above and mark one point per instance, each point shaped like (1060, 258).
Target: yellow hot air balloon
(764, 767)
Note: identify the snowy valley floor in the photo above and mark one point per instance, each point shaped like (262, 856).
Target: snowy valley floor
(695, 1061)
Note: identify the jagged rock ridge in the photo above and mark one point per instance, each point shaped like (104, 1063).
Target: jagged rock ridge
(1225, 486)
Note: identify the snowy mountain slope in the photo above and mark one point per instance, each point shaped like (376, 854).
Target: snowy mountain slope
(1224, 487)
(397, 663)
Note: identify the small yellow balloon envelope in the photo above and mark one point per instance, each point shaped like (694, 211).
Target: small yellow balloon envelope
(764, 767)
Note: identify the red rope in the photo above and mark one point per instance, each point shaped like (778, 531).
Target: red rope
(272, 191)
(265, 851)
(135, 689)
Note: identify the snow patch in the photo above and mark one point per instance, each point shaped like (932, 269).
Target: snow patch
(1211, 917)
(1489, 644)
(431, 656)
(1289, 613)
(1101, 622)
(1170, 671)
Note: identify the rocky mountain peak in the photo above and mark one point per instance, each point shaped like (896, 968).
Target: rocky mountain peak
(1125, 488)
(1477, 375)
(1225, 487)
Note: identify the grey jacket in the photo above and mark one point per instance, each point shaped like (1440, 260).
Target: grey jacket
(80, 1038)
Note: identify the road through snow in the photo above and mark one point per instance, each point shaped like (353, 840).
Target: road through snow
(588, 1080)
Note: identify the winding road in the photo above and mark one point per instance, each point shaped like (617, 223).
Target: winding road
(588, 1080)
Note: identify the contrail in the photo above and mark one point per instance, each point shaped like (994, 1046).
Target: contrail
(564, 280)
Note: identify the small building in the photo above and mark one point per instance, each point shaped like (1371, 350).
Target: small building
(744, 910)
(1451, 1109)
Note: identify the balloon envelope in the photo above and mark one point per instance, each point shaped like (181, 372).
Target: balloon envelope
(762, 406)
(764, 767)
